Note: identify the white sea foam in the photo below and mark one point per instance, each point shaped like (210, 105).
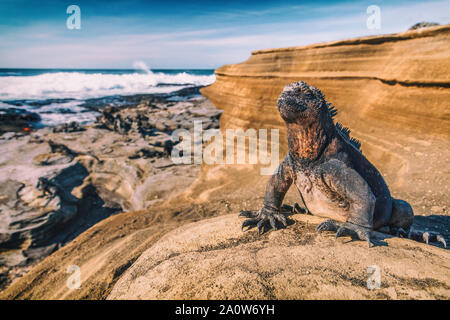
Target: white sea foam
(56, 113)
(140, 65)
(5, 105)
(80, 85)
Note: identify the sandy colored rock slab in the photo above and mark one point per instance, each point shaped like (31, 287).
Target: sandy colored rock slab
(213, 259)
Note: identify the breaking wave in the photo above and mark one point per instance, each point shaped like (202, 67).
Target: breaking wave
(80, 85)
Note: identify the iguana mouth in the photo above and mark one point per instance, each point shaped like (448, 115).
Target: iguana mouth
(291, 108)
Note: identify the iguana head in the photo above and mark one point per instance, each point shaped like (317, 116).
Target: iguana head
(301, 103)
(309, 120)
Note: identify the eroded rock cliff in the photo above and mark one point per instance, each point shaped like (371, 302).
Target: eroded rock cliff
(392, 91)
(395, 81)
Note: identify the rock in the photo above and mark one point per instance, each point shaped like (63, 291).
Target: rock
(420, 25)
(122, 126)
(68, 127)
(8, 135)
(47, 159)
(248, 91)
(292, 263)
(35, 211)
(438, 209)
(14, 119)
(57, 182)
(18, 115)
(149, 152)
(148, 120)
(160, 139)
(161, 126)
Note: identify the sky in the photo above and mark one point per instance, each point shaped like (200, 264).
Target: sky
(187, 34)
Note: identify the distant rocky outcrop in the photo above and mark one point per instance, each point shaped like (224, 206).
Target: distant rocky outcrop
(423, 24)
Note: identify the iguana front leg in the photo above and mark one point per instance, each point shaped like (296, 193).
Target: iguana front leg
(276, 189)
(349, 191)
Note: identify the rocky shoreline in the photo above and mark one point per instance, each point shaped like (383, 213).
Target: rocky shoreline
(191, 246)
(59, 181)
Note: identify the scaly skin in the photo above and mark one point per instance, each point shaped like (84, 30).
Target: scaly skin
(332, 175)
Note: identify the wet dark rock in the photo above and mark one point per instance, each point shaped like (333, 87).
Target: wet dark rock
(68, 127)
(15, 119)
(61, 111)
(423, 25)
(149, 152)
(149, 119)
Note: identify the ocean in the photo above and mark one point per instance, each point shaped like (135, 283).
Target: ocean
(58, 95)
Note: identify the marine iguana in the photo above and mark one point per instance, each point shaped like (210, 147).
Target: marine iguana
(333, 177)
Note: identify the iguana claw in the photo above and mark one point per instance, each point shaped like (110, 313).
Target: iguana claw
(346, 229)
(248, 214)
(261, 218)
(427, 237)
(249, 222)
(328, 225)
(296, 208)
(441, 239)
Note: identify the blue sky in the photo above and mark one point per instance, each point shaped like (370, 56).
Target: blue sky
(186, 34)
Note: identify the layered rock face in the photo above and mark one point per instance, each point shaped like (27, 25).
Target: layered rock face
(392, 91)
(396, 81)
